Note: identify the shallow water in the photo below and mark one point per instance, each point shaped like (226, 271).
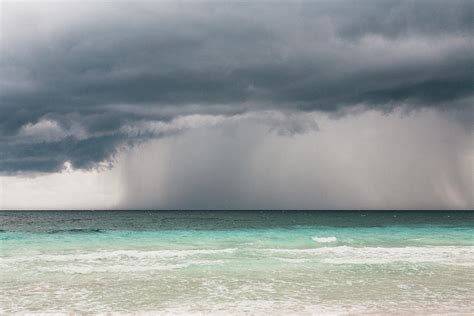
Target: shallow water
(240, 262)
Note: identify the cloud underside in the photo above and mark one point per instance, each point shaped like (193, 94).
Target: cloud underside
(81, 80)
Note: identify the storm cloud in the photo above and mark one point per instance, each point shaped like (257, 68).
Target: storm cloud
(77, 77)
(364, 161)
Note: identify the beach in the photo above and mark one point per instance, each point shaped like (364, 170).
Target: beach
(260, 262)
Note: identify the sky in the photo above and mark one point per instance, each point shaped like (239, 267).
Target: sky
(236, 104)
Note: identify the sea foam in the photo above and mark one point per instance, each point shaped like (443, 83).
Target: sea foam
(121, 268)
(324, 239)
(119, 254)
(453, 255)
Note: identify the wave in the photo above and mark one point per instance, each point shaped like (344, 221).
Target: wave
(154, 259)
(324, 239)
(120, 254)
(457, 255)
(121, 268)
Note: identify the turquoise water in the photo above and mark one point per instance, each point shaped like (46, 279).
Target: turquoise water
(237, 262)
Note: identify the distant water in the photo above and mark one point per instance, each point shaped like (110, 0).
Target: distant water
(270, 262)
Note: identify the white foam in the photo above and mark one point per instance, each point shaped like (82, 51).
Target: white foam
(86, 269)
(170, 259)
(110, 269)
(454, 255)
(324, 239)
(119, 254)
(293, 260)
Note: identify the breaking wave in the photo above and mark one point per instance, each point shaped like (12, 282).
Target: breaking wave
(120, 254)
(324, 239)
(456, 255)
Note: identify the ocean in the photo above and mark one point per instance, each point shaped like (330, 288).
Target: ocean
(237, 262)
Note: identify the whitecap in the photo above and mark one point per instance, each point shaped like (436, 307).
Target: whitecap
(324, 239)
(451, 255)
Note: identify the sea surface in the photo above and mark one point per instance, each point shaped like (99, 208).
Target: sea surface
(252, 262)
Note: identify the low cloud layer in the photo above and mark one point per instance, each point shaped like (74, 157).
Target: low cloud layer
(268, 160)
(80, 80)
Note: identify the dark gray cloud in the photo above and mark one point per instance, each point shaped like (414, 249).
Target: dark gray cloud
(83, 153)
(87, 70)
